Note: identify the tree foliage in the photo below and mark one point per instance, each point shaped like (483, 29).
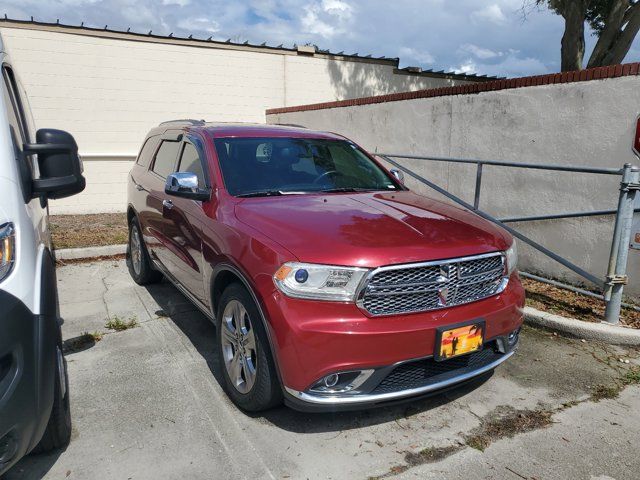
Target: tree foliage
(614, 22)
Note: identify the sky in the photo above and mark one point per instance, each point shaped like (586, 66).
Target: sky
(487, 37)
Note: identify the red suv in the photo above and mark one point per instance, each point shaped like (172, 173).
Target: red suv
(331, 285)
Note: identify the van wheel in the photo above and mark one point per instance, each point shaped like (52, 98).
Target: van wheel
(58, 431)
(250, 377)
(138, 260)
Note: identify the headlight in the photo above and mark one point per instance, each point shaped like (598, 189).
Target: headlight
(318, 282)
(512, 258)
(7, 249)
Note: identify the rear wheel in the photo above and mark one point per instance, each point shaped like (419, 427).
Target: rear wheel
(138, 260)
(250, 377)
(58, 432)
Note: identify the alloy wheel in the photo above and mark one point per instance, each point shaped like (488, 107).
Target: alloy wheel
(136, 250)
(238, 346)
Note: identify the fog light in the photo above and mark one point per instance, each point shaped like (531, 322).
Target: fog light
(342, 382)
(513, 337)
(331, 380)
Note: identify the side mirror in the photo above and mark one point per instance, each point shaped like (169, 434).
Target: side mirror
(59, 164)
(399, 174)
(185, 185)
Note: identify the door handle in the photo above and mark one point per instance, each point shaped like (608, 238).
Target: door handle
(139, 187)
(167, 204)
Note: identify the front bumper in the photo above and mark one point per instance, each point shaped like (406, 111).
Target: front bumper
(312, 339)
(406, 381)
(24, 410)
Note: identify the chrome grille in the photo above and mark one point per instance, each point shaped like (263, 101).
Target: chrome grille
(432, 285)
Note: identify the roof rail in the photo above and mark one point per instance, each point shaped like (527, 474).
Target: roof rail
(185, 120)
(289, 125)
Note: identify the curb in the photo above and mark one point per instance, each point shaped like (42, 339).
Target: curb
(90, 252)
(602, 331)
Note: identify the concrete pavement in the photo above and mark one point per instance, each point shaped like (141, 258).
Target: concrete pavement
(147, 404)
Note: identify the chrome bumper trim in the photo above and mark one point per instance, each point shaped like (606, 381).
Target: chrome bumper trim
(383, 397)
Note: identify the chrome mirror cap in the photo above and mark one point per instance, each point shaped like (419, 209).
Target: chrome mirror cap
(399, 174)
(185, 184)
(181, 181)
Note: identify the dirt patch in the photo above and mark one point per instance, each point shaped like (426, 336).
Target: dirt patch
(507, 422)
(76, 231)
(570, 304)
(601, 392)
(430, 455)
(101, 258)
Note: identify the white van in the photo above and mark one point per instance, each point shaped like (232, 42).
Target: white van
(34, 167)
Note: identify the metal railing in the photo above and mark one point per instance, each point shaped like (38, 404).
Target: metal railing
(613, 284)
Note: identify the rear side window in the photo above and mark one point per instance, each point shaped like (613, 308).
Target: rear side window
(165, 161)
(147, 151)
(190, 162)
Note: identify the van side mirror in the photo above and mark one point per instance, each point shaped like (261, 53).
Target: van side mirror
(59, 164)
(185, 185)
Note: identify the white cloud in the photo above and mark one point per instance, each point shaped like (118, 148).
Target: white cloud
(326, 18)
(466, 67)
(408, 53)
(491, 13)
(180, 3)
(480, 52)
(202, 24)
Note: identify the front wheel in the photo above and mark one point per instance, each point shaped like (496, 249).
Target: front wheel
(58, 431)
(250, 377)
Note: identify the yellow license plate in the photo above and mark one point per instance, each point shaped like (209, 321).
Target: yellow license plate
(458, 341)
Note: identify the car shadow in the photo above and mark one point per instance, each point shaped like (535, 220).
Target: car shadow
(201, 333)
(34, 466)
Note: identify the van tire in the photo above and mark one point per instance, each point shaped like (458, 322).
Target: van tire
(266, 391)
(138, 261)
(58, 431)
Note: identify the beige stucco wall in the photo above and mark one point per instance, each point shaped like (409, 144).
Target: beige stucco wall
(109, 90)
(586, 123)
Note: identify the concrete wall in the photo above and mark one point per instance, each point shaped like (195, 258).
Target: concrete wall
(587, 123)
(109, 89)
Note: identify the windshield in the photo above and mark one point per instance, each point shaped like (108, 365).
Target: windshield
(280, 166)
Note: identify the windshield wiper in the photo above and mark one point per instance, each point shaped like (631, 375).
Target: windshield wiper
(348, 190)
(262, 193)
(269, 193)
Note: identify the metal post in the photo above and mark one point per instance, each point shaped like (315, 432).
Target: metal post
(476, 198)
(616, 273)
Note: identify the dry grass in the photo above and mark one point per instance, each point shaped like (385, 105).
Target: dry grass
(75, 231)
(569, 304)
(120, 324)
(507, 423)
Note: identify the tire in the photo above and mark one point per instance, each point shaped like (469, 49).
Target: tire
(253, 359)
(58, 431)
(138, 260)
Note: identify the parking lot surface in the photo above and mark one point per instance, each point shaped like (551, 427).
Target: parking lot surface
(147, 404)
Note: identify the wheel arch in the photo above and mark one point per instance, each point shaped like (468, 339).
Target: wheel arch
(131, 214)
(223, 275)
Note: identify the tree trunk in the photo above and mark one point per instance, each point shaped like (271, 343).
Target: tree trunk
(572, 52)
(624, 40)
(609, 35)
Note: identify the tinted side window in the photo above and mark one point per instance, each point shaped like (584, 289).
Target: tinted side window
(147, 150)
(165, 161)
(190, 162)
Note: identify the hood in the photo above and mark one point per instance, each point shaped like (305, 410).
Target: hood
(371, 229)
